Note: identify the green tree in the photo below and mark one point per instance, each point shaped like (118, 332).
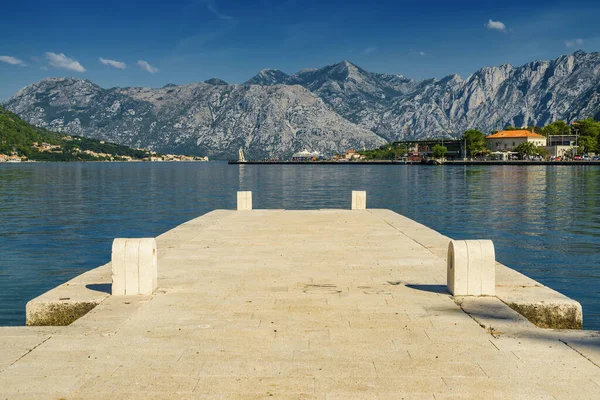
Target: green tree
(587, 144)
(400, 150)
(556, 128)
(439, 151)
(475, 142)
(17, 136)
(589, 131)
(541, 150)
(527, 149)
(530, 128)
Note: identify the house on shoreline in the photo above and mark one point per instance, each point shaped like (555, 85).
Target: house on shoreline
(504, 143)
(12, 158)
(561, 145)
(511, 139)
(306, 155)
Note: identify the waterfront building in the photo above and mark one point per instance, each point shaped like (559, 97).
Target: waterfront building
(352, 155)
(306, 155)
(503, 155)
(12, 158)
(509, 140)
(561, 145)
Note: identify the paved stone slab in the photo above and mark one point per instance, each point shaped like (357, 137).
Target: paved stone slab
(304, 305)
(538, 303)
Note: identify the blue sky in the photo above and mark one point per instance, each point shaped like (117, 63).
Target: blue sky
(153, 43)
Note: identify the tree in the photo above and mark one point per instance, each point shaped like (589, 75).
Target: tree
(527, 149)
(589, 139)
(587, 144)
(400, 150)
(587, 127)
(475, 142)
(541, 150)
(556, 128)
(530, 128)
(439, 151)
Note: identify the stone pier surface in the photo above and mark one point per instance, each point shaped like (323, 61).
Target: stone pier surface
(330, 304)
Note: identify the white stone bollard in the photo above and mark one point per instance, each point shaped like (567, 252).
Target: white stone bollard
(244, 200)
(359, 200)
(134, 266)
(471, 268)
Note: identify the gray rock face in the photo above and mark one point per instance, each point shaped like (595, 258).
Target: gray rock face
(330, 109)
(492, 98)
(360, 96)
(205, 119)
(268, 77)
(216, 81)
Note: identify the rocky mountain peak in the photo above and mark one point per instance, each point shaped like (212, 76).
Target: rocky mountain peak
(346, 66)
(345, 70)
(216, 81)
(324, 109)
(452, 79)
(269, 76)
(59, 88)
(67, 79)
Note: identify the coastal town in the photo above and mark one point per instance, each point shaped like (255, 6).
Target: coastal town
(509, 145)
(91, 155)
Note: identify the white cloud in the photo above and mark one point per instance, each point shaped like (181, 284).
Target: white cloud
(496, 25)
(12, 60)
(212, 7)
(147, 67)
(421, 53)
(574, 43)
(113, 63)
(368, 50)
(62, 61)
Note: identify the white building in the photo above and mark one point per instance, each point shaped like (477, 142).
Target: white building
(509, 140)
(306, 155)
(561, 145)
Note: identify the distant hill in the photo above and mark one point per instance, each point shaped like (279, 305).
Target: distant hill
(19, 138)
(197, 119)
(330, 110)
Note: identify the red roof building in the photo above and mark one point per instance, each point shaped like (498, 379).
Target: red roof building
(509, 140)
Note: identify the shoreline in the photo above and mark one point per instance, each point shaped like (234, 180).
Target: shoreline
(394, 162)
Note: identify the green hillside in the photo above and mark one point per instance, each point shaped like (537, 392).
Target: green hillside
(17, 137)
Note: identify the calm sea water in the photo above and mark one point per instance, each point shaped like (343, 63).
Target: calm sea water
(58, 220)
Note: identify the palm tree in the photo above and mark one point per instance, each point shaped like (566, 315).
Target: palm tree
(527, 149)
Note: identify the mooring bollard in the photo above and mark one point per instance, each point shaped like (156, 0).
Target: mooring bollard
(134, 266)
(359, 200)
(244, 200)
(471, 268)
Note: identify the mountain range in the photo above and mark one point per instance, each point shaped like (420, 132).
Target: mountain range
(20, 140)
(330, 109)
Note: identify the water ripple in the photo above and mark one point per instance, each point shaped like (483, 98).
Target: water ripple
(58, 220)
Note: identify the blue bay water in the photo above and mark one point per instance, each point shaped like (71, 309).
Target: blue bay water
(58, 220)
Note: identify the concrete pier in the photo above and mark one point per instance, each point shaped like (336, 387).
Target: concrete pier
(329, 304)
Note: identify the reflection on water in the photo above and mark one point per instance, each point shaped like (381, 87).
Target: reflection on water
(58, 220)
